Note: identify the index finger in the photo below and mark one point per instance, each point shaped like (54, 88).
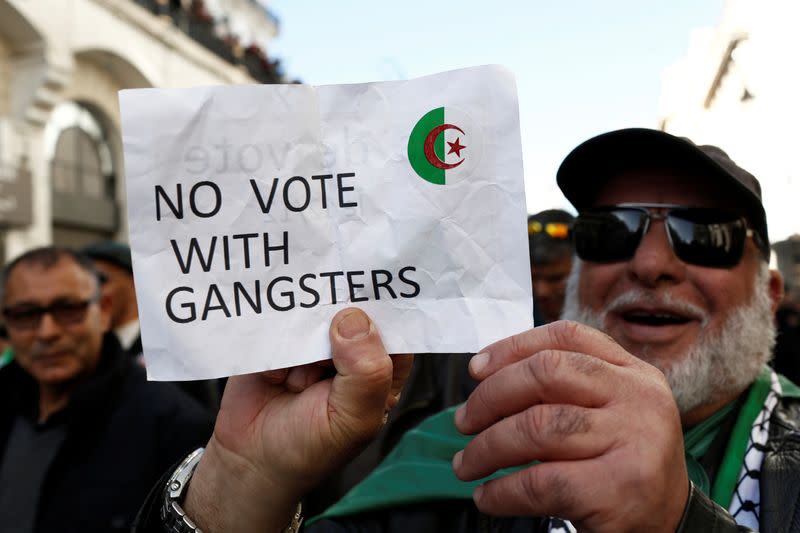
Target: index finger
(562, 335)
(401, 369)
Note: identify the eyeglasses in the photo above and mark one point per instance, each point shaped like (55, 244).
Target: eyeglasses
(65, 313)
(556, 230)
(698, 236)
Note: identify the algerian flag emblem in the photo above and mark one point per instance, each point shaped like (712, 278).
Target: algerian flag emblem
(443, 147)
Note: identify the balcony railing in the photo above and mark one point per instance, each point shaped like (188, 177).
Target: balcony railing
(268, 12)
(198, 24)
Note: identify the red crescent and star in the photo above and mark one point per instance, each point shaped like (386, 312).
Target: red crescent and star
(455, 147)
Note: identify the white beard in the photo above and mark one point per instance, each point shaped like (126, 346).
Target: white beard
(718, 364)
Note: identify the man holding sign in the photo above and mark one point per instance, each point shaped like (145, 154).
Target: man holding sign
(637, 428)
(697, 305)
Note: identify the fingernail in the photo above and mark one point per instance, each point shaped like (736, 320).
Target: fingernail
(457, 460)
(392, 402)
(478, 493)
(478, 363)
(354, 326)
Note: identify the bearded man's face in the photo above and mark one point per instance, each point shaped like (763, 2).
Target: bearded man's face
(708, 329)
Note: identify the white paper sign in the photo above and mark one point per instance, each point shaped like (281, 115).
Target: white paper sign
(257, 212)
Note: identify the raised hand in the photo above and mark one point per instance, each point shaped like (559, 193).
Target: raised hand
(602, 422)
(280, 433)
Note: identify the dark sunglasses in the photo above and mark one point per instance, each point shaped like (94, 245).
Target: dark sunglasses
(65, 313)
(698, 235)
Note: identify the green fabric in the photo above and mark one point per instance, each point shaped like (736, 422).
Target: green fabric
(696, 442)
(6, 357)
(725, 484)
(789, 389)
(419, 469)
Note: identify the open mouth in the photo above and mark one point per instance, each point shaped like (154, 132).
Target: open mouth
(655, 318)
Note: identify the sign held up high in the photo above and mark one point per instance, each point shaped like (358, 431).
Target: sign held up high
(258, 212)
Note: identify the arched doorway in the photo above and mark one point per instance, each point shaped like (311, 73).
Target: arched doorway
(83, 176)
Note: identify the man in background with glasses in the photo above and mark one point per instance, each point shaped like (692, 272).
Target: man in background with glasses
(113, 261)
(551, 252)
(73, 403)
(652, 410)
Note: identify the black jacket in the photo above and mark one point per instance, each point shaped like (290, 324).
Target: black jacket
(780, 500)
(206, 391)
(122, 432)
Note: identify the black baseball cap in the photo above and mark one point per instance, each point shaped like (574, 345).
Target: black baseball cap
(587, 167)
(549, 235)
(116, 253)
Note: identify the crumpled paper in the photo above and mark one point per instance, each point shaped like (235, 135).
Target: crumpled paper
(258, 212)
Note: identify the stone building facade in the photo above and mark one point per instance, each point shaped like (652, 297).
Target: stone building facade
(62, 63)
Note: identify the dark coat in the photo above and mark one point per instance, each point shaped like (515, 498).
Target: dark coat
(122, 432)
(206, 391)
(787, 343)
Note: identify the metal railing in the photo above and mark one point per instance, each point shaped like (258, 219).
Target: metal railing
(270, 15)
(197, 24)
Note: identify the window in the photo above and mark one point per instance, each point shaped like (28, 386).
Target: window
(83, 175)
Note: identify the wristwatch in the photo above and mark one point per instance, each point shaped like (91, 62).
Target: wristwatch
(172, 514)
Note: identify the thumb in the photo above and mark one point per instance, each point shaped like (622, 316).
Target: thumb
(363, 377)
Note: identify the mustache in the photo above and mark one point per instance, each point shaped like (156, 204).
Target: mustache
(43, 350)
(664, 300)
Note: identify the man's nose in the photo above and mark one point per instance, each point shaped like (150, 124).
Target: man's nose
(541, 288)
(654, 262)
(48, 327)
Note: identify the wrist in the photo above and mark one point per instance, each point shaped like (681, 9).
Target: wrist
(228, 493)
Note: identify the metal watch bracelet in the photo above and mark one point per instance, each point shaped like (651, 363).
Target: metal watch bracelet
(172, 514)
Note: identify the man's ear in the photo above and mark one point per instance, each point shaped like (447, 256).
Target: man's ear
(775, 289)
